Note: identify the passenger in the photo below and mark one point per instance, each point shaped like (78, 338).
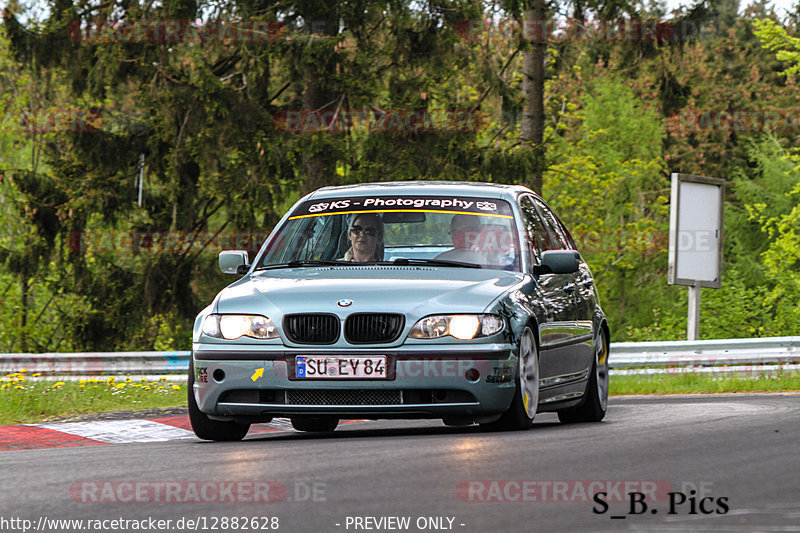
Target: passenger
(366, 238)
(464, 230)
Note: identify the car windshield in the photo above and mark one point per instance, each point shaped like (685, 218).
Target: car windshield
(370, 229)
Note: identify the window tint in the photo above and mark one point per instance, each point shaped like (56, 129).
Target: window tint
(481, 231)
(538, 238)
(560, 238)
(322, 234)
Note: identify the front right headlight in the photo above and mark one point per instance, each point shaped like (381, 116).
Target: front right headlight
(231, 327)
(462, 327)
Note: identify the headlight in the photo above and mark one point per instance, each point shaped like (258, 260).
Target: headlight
(463, 327)
(232, 327)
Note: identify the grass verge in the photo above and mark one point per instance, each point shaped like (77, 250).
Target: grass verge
(699, 383)
(25, 400)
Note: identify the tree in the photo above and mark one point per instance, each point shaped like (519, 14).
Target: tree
(776, 39)
(611, 188)
(533, 118)
(203, 115)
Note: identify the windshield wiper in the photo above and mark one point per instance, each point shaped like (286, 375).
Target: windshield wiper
(305, 263)
(434, 262)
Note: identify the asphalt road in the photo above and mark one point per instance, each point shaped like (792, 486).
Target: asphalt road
(739, 453)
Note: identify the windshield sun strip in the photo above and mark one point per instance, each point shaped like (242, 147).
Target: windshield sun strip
(402, 211)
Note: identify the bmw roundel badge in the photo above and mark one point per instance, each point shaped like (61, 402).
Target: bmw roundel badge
(344, 302)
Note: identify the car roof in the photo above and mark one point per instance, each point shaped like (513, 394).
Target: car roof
(423, 188)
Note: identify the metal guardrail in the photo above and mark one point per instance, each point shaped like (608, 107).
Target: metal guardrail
(720, 355)
(96, 363)
(707, 352)
(755, 356)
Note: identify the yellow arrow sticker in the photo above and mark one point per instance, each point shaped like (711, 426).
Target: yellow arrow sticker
(257, 374)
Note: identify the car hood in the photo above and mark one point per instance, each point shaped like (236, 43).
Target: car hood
(414, 291)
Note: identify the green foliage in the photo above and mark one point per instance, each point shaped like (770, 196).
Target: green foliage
(609, 187)
(26, 398)
(205, 118)
(760, 276)
(781, 259)
(170, 335)
(709, 383)
(776, 39)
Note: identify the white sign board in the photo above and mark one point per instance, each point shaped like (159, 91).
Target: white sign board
(695, 231)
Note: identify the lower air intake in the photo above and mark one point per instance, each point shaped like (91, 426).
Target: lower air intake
(343, 397)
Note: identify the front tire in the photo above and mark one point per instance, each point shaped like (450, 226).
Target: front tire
(593, 408)
(526, 395)
(208, 429)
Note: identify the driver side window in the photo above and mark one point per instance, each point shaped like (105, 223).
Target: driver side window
(536, 233)
(559, 236)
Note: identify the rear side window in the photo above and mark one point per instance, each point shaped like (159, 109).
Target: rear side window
(541, 237)
(560, 237)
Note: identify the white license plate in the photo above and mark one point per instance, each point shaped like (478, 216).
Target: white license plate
(327, 367)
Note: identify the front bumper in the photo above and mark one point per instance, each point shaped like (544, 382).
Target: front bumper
(424, 382)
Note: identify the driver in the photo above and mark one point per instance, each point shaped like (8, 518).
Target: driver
(365, 232)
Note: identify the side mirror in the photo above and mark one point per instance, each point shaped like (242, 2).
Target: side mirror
(558, 262)
(233, 262)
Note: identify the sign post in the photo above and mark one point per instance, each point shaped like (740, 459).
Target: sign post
(693, 320)
(695, 239)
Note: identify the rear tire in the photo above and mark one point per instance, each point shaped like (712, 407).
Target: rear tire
(208, 429)
(526, 395)
(593, 408)
(315, 424)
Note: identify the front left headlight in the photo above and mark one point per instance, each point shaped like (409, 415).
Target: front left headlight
(231, 327)
(462, 327)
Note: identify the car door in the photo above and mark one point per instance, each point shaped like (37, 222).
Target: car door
(581, 287)
(558, 332)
